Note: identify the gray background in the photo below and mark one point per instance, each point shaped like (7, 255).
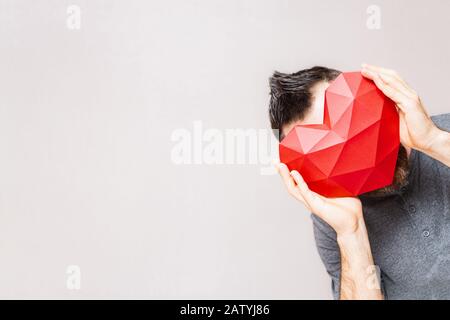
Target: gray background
(85, 123)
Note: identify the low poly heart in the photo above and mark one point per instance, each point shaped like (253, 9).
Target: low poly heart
(355, 149)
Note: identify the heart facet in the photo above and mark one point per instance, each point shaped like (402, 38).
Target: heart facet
(355, 150)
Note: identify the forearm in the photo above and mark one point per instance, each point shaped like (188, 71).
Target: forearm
(359, 280)
(439, 146)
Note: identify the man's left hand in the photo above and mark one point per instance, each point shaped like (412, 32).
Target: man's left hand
(417, 130)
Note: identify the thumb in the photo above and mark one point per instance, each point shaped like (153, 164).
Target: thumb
(314, 201)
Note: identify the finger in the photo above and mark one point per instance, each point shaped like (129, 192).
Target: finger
(314, 201)
(388, 72)
(368, 73)
(297, 195)
(290, 183)
(395, 95)
(392, 79)
(377, 69)
(389, 75)
(404, 98)
(284, 173)
(397, 85)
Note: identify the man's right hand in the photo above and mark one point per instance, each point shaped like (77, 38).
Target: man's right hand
(344, 215)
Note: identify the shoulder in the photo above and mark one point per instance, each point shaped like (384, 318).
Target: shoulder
(442, 121)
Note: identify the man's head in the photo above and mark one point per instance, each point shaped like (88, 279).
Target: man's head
(298, 98)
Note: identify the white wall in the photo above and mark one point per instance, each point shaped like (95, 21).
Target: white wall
(86, 117)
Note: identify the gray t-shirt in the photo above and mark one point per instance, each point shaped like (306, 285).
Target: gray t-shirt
(409, 232)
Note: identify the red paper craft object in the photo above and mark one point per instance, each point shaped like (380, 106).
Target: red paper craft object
(355, 149)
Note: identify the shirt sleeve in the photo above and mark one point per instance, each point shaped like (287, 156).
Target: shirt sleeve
(329, 253)
(442, 121)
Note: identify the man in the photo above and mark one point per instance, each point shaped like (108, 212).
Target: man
(403, 229)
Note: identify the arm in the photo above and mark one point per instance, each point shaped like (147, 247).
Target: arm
(345, 216)
(356, 266)
(439, 147)
(417, 130)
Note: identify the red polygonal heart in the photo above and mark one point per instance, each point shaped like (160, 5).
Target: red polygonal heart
(355, 150)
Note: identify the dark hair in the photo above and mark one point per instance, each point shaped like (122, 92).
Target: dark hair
(290, 94)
